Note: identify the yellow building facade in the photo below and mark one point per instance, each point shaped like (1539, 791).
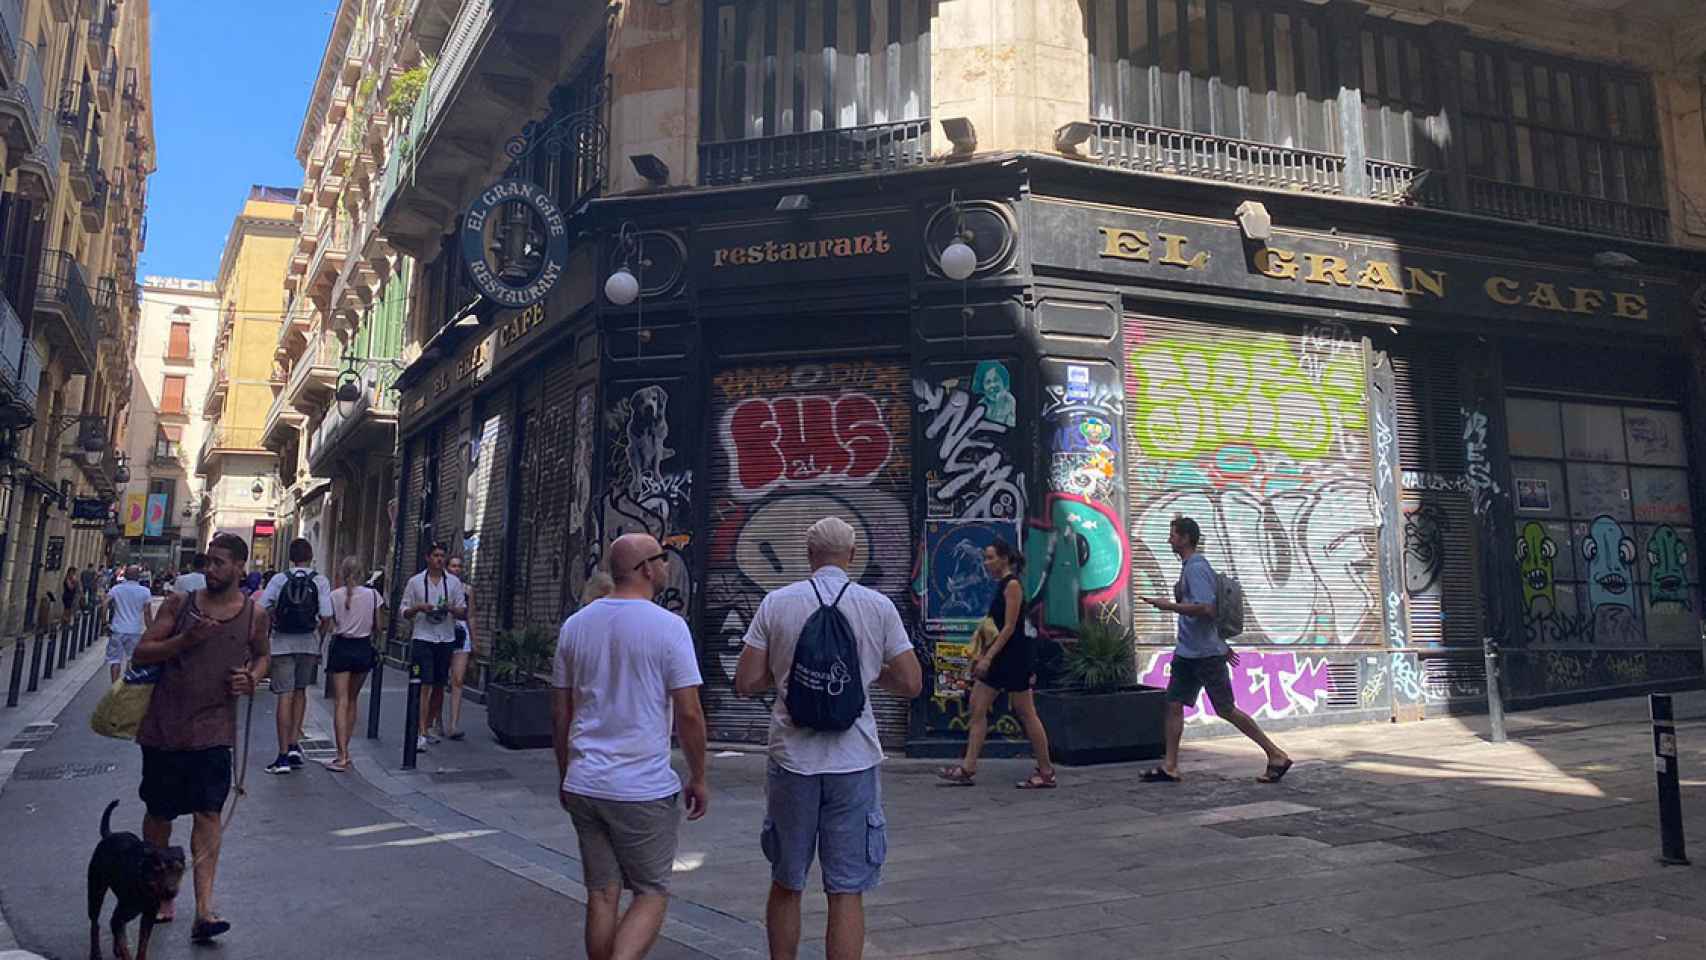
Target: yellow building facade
(239, 490)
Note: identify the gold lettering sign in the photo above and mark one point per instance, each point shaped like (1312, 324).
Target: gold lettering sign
(874, 244)
(521, 324)
(468, 365)
(1122, 244)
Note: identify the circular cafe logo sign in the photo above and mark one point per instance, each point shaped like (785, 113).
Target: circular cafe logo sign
(542, 267)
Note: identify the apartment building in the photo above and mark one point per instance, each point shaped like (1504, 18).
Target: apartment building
(239, 474)
(77, 150)
(333, 422)
(1402, 301)
(171, 370)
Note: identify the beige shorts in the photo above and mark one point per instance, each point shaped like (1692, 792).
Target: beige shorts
(294, 671)
(627, 842)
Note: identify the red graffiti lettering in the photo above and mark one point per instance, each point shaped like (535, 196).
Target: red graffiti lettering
(806, 440)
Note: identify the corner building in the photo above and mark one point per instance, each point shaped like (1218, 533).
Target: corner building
(1404, 311)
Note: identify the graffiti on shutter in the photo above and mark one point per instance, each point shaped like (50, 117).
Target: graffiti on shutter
(1262, 437)
(483, 521)
(547, 519)
(792, 444)
(648, 481)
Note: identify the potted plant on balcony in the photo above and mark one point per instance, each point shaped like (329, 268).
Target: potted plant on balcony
(1101, 714)
(518, 699)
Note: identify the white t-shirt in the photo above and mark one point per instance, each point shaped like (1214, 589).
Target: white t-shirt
(195, 580)
(129, 600)
(418, 591)
(292, 643)
(357, 619)
(882, 637)
(620, 659)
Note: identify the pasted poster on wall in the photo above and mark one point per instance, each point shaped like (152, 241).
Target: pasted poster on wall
(135, 514)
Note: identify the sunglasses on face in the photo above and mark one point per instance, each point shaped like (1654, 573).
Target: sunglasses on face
(660, 556)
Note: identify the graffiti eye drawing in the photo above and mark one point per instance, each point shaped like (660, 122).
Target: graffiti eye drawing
(1590, 550)
(1626, 550)
(1548, 549)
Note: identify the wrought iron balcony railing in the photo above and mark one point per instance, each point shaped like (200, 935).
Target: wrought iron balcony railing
(880, 146)
(1137, 146)
(63, 290)
(1510, 201)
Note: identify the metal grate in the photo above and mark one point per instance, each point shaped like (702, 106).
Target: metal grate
(67, 771)
(1344, 687)
(32, 736)
(1451, 678)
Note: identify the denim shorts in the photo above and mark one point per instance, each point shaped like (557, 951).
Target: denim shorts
(837, 816)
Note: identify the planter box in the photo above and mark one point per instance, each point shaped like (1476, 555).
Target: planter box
(1118, 727)
(520, 717)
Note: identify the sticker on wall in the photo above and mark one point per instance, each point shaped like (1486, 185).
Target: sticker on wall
(1077, 384)
(992, 381)
(1533, 494)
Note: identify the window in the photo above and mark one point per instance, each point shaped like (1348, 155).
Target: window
(172, 395)
(799, 69)
(166, 442)
(178, 343)
(1228, 68)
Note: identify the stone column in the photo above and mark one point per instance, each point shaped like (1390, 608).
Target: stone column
(654, 67)
(1017, 69)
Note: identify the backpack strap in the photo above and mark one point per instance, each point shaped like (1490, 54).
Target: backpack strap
(843, 593)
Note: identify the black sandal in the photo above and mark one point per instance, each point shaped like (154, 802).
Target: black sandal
(205, 930)
(1158, 775)
(1274, 772)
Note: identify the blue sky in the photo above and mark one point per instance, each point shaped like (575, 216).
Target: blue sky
(231, 81)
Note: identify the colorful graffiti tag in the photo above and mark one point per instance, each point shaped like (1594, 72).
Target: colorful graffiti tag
(803, 441)
(645, 490)
(1267, 686)
(971, 473)
(1264, 440)
(1078, 561)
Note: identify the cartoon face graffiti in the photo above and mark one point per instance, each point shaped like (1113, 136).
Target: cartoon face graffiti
(1611, 559)
(1667, 561)
(1096, 433)
(1534, 554)
(995, 384)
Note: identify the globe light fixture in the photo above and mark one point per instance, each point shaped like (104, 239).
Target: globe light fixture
(959, 260)
(622, 288)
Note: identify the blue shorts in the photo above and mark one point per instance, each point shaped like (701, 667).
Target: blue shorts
(837, 816)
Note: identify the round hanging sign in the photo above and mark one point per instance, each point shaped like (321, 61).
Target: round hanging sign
(496, 287)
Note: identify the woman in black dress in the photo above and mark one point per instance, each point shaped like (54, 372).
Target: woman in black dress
(1006, 667)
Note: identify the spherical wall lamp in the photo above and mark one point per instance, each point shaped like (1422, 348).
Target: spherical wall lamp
(959, 260)
(622, 288)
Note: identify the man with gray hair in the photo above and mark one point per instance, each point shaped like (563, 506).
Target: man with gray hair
(823, 793)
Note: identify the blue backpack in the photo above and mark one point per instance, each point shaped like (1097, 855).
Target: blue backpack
(826, 689)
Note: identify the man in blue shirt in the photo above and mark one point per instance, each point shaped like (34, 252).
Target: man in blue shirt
(1201, 658)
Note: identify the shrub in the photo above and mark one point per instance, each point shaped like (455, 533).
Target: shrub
(1103, 660)
(519, 657)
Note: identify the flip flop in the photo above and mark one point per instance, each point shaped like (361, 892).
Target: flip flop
(1158, 775)
(1274, 772)
(167, 915)
(205, 930)
(337, 766)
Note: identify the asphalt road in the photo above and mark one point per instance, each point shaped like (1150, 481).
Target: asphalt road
(310, 869)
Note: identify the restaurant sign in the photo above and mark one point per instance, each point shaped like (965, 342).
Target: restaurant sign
(819, 248)
(518, 283)
(1353, 272)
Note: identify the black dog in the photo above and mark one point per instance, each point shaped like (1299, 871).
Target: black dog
(140, 874)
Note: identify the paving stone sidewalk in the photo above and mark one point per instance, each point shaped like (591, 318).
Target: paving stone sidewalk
(1412, 841)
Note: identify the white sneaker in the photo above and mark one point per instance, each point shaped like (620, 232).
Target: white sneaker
(420, 744)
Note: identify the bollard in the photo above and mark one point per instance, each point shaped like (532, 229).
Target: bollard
(373, 691)
(64, 644)
(412, 714)
(47, 653)
(1495, 696)
(88, 628)
(1671, 847)
(12, 688)
(35, 661)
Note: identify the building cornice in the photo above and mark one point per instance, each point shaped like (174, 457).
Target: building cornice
(343, 24)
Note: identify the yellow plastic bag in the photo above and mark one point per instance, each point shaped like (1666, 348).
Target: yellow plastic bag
(120, 712)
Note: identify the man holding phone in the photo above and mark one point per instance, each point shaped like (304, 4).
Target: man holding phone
(211, 646)
(436, 600)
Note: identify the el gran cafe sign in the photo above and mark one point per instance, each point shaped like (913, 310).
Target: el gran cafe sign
(1354, 271)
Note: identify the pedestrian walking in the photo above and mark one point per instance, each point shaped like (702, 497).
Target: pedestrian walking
(1007, 665)
(1201, 658)
(212, 648)
(300, 604)
(624, 674)
(69, 588)
(823, 793)
(435, 599)
(193, 580)
(355, 610)
(450, 722)
(131, 616)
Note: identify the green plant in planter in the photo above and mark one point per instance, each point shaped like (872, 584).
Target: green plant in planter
(1102, 661)
(406, 89)
(520, 656)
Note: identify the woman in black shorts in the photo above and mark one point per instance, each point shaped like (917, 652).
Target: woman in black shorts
(355, 611)
(1007, 667)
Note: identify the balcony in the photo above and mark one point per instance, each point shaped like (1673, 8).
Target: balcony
(874, 147)
(17, 388)
(224, 439)
(102, 472)
(64, 301)
(1136, 146)
(105, 84)
(101, 25)
(213, 403)
(22, 104)
(184, 358)
(283, 423)
(130, 85)
(313, 374)
(167, 454)
(74, 109)
(331, 250)
(106, 307)
(95, 207)
(1552, 208)
(369, 427)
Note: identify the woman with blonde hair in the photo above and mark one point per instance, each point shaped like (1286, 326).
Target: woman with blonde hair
(355, 613)
(452, 728)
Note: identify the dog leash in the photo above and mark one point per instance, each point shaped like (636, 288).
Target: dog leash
(242, 765)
